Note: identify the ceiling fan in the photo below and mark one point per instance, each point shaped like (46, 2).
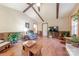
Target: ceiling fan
(31, 6)
(57, 10)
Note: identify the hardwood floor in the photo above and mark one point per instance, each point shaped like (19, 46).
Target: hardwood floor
(15, 50)
(53, 47)
(50, 47)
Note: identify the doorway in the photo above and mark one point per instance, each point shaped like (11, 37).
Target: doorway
(45, 29)
(35, 28)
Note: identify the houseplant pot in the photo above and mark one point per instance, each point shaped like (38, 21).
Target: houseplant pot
(75, 41)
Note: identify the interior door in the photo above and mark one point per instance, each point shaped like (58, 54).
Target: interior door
(35, 28)
(45, 29)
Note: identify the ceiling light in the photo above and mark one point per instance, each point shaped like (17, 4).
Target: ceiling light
(38, 4)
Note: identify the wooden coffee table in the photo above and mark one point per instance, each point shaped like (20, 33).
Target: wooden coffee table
(34, 50)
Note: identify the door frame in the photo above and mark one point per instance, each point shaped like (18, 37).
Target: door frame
(37, 26)
(47, 28)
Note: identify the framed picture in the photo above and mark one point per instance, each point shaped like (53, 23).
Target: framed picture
(27, 25)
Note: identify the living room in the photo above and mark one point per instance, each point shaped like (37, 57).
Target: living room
(41, 25)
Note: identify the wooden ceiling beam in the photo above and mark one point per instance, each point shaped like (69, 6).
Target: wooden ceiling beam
(28, 7)
(57, 10)
(37, 13)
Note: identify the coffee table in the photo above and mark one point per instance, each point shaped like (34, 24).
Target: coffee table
(33, 50)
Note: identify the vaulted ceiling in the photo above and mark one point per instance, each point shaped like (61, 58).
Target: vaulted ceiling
(46, 9)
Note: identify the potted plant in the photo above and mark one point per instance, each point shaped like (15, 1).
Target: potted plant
(75, 41)
(13, 37)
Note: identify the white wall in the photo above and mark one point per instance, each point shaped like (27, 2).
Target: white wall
(48, 12)
(63, 23)
(13, 21)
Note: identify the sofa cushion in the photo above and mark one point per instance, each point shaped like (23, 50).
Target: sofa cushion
(1, 41)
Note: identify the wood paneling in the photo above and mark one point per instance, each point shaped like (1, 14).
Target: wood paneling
(5, 35)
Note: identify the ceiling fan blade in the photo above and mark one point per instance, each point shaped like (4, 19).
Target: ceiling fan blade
(30, 5)
(37, 13)
(57, 10)
(37, 7)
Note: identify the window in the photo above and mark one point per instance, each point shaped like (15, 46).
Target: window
(75, 25)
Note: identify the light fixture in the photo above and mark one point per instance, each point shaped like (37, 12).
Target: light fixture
(38, 4)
